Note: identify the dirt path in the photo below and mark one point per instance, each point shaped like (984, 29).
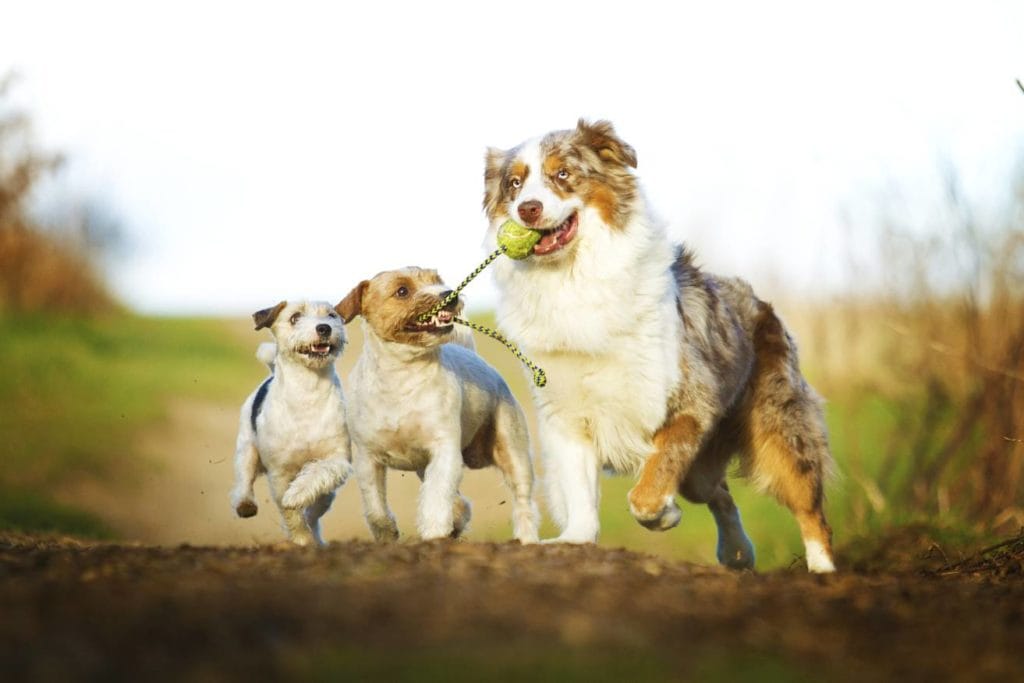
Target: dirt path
(177, 492)
(478, 611)
(452, 611)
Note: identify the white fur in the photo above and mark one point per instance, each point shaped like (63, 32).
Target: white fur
(316, 478)
(266, 353)
(606, 332)
(416, 408)
(534, 188)
(818, 559)
(301, 439)
(600, 312)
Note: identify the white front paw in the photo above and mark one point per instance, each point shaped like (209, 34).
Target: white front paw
(576, 537)
(431, 532)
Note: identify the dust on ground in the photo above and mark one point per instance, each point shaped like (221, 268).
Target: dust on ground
(456, 610)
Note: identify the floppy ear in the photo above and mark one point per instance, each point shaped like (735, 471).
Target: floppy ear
(352, 304)
(600, 136)
(493, 163)
(267, 316)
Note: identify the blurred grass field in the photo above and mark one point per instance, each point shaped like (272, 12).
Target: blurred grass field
(79, 395)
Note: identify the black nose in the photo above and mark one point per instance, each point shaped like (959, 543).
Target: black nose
(323, 330)
(451, 304)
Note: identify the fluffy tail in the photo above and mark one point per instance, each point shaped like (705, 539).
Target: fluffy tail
(316, 478)
(266, 353)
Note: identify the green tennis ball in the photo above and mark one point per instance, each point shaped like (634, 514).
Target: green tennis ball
(517, 240)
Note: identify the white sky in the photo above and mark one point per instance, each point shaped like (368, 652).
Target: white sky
(264, 151)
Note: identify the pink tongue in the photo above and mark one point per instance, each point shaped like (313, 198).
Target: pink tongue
(547, 243)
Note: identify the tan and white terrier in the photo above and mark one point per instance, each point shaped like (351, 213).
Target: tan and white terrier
(424, 401)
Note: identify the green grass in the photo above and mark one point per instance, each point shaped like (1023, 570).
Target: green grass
(530, 661)
(77, 392)
(32, 512)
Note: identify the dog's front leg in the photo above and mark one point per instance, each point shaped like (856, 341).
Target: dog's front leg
(372, 478)
(652, 500)
(573, 469)
(440, 487)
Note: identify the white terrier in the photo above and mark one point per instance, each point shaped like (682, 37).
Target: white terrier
(423, 405)
(293, 426)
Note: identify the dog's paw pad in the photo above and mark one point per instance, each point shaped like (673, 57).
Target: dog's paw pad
(246, 508)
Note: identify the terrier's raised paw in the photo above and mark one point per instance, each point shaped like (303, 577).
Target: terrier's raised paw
(246, 508)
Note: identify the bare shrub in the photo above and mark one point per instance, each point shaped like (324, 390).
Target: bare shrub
(942, 347)
(39, 269)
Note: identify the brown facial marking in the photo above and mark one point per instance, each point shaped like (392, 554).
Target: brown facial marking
(499, 170)
(603, 198)
(265, 317)
(598, 162)
(608, 184)
(517, 170)
(352, 305)
(389, 313)
(554, 163)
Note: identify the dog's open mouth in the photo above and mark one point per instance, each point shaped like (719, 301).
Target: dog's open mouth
(555, 239)
(442, 321)
(318, 349)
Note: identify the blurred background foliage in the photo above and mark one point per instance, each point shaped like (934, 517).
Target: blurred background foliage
(924, 376)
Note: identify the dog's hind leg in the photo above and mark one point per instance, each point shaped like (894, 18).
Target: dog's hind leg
(705, 483)
(314, 512)
(462, 512)
(512, 456)
(789, 453)
(247, 468)
(735, 550)
(791, 466)
(734, 547)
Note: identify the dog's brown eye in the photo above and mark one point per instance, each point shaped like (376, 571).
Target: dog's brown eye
(402, 292)
(295, 318)
(514, 183)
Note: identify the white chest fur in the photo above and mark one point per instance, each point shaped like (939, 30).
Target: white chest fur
(407, 404)
(302, 418)
(607, 332)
